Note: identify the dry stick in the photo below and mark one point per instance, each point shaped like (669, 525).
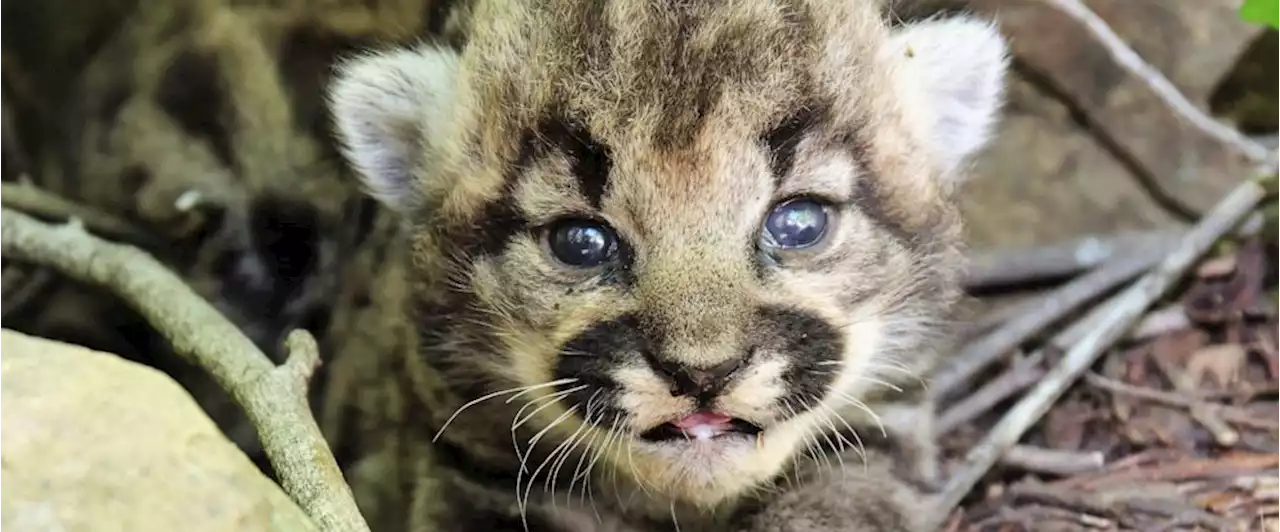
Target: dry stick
(1052, 461)
(1004, 267)
(1166, 320)
(1227, 413)
(1025, 372)
(980, 354)
(1128, 59)
(274, 398)
(27, 198)
(1112, 322)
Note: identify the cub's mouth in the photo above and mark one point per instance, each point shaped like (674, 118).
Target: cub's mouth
(702, 425)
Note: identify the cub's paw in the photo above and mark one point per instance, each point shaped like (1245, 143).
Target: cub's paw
(852, 498)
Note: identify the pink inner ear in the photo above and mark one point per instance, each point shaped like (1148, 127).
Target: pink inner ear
(703, 417)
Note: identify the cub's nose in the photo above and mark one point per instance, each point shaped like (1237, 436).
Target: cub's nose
(702, 383)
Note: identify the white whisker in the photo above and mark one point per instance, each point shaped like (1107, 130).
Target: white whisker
(562, 447)
(517, 421)
(863, 406)
(522, 504)
(500, 393)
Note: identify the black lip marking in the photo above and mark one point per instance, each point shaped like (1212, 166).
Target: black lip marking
(667, 431)
(589, 357)
(809, 343)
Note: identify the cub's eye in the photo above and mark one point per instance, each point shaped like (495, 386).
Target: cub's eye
(582, 243)
(797, 223)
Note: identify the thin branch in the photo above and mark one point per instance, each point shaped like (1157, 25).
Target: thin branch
(1006, 267)
(1020, 322)
(274, 398)
(978, 355)
(1223, 434)
(1228, 413)
(1128, 59)
(29, 199)
(1052, 461)
(1159, 322)
(1112, 321)
(1023, 373)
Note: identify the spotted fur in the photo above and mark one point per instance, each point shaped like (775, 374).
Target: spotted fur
(479, 124)
(679, 125)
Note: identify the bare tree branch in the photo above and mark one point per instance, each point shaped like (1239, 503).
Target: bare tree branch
(274, 398)
(1128, 59)
(27, 198)
(1052, 461)
(980, 354)
(1003, 267)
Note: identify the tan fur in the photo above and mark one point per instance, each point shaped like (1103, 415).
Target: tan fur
(195, 120)
(679, 98)
(459, 297)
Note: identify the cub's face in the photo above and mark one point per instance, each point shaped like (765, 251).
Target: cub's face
(684, 238)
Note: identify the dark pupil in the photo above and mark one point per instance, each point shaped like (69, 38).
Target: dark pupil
(582, 244)
(796, 224)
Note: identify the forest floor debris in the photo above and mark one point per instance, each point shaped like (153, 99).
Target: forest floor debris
(1175, 428)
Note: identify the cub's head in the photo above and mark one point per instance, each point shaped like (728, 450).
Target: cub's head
(685, 234)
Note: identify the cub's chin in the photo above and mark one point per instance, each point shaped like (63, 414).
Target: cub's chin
(708, 457)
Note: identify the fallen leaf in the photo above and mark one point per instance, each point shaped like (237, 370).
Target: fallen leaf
(1217, 267)
(1222, 362)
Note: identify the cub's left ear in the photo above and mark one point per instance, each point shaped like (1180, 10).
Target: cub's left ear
(953, 71)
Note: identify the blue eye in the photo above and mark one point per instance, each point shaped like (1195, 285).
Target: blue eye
(582, 243)
(795, 224)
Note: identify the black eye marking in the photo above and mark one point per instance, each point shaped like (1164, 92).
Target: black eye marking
(582, 243)
(795, 224)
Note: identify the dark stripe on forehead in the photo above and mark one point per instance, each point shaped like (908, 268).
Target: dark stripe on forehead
(693, 54)
(784, 138)
(193, 92)
(500, 219)
(590, 161)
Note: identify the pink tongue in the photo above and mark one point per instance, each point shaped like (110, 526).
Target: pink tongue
(702, 417)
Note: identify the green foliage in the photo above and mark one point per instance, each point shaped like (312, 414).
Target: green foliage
(1261, 12)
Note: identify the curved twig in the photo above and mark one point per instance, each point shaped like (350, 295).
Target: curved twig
(274, 398)
(29, 199)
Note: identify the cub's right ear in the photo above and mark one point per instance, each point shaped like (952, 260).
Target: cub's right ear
(385, 107)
